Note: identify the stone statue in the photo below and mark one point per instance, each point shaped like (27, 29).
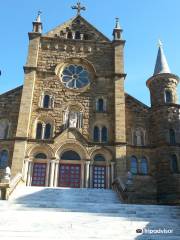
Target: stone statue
(73, 120)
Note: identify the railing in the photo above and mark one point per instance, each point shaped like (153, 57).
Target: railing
(120, 188)
(7, 188)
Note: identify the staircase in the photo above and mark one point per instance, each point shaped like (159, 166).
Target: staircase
(70, 214)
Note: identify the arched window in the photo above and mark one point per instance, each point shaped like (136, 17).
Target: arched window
(4, 159)
(69, 35)
(39, 131)
(96, 136)
(133, 165)
(4, 128)
(77, 35)
(70, 155)
(174, 164)
(41, 156)
(47, 133)
(168, 96)
(172, 136)
(46, 101)
(104, 135)
(144, 166)
(99, 157)
(100, 107)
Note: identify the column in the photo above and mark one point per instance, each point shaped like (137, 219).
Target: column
(43, 130)
(47, 173)
(112, 172)
(30, 172)
(87, 174)
(108, 176)
(25, 169)
(56, 173)
(91, 176)
(52, 173)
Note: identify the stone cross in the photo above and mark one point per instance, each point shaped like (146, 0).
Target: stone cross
(79, 8)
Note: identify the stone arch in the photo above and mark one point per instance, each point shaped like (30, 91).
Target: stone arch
(74, 146)
(34, 150)
(103, 151)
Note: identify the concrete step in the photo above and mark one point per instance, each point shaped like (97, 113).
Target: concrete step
(70, 214)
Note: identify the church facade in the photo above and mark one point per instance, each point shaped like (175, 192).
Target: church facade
(71, 124)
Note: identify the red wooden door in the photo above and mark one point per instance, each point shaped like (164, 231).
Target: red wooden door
(39, 174)
(70, 175)
(99, 177)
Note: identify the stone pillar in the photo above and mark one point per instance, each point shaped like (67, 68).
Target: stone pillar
(112, 172)
(120, 129)
(47, 173)
(52, 173)
(30, 172)
(43, 130)
(56, 173)
(108, 176)
(25, 169)
(91, 176)
(87, 174)
(24, 120)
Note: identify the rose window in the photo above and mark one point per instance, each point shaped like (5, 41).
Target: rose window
(75, 77)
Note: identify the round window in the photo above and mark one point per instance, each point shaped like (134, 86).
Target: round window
(75, 77)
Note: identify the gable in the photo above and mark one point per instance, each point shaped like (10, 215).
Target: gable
(77, 25)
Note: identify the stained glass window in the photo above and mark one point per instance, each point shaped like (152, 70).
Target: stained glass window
(47, 131)
(46, 101)
(96, 134)
(41, 156)
(39, 131)
(144, 166)
(133, 165)
(4, 158)
(99, 157)
(104, 134)
(70, 155)
(75, 77)
(174, 164)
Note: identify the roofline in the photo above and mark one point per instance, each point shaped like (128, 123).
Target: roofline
(12, 90)
(139, 102)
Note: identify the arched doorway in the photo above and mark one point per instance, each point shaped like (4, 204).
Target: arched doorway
(70, 170)
(39, 170)
(99, 171)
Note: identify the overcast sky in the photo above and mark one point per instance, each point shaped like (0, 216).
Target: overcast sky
(143, 22)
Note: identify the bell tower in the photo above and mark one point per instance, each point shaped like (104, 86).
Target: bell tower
(163, 84)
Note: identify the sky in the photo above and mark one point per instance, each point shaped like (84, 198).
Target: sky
(143, 23)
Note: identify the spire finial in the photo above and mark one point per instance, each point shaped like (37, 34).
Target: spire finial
(161, 61)
(79, 8)
(38, 19)
(160, 44)
(117, 24)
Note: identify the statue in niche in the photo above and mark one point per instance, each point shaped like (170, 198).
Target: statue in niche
(73, 119)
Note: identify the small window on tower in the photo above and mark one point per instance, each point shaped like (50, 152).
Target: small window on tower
(168, 96)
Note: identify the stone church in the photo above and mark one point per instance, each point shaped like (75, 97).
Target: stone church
(72, 124)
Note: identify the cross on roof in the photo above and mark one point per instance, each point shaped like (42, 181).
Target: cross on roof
(79, 8)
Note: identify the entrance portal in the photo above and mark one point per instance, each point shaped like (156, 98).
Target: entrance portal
(70, 175)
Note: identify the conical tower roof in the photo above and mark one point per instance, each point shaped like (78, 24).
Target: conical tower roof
(161, 62)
